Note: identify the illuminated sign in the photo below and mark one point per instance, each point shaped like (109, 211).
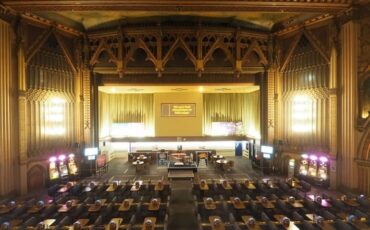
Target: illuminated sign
(178, 110)
(267, 149)
(91, 152)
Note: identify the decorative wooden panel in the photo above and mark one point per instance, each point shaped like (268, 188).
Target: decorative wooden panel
(50, 88)
(8, 145)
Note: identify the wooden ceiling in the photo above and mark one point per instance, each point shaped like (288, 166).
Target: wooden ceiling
(85, 15)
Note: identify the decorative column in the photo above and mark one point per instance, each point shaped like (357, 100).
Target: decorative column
(8, 144)
(348, 173)
(264, 106)
(87, 121)
(22, 119)
(270, 106)
(333, 121)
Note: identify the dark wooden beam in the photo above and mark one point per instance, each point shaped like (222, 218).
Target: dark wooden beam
(316, 6)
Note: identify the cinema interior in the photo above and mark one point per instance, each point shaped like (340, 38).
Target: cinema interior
(184, 114)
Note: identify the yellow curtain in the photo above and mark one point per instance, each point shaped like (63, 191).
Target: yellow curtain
(306, 124)
(125, 108)
(233, 107)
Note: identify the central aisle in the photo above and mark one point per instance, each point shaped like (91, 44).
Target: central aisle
(182, 211)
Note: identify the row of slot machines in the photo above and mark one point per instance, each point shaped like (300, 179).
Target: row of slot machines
(314, 167)
(63, 167)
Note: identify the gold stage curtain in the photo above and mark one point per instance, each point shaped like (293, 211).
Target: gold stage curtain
(233, 107)
(125, 108)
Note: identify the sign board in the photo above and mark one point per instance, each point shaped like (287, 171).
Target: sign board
(90, 158)
(101, 161)
(178, 110)
(91, 151)
(267, 156)
(267, 149)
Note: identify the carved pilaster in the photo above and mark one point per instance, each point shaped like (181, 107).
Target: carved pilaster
(348, 152)
(333, 119)
(86, 99)
(271, 105)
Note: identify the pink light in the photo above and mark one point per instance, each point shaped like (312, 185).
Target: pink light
(62, 157)
(305, 156)
(71, 155)
(313, 157)
(323, 159)
(52, 159)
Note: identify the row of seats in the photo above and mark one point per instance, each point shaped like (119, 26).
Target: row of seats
(116, 205)
(275, 204)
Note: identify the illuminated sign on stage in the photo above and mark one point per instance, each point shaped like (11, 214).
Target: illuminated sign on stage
(178, 110)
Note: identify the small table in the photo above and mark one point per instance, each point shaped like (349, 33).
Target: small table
(146, 227)
(118, 222)
(239, 205)
(48, 223)
(135, 188)
(154, 207)
(246, 219)
(249, 185)
(112, 188)
(123, 208)
(268, 204)
(226, 185)
(159, 186)
(96, 208)
(204, 186)
(207, 205)
(291, 226)
(221, 226)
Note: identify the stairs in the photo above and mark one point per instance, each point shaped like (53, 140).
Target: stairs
(202, 163)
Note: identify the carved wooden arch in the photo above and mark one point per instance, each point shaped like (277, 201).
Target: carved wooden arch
(312, 40)
(218, 44)
(179, 43)
(65, 51)
(103, 46)
(150, 56)
(255, 47)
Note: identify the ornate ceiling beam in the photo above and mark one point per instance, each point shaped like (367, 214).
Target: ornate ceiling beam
(181, 5)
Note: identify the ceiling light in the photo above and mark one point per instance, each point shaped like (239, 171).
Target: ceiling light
(201, 89)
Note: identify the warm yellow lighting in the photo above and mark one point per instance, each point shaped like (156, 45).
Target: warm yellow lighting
(114, 90)
(201, 89)
(54, 110)
(303, 114)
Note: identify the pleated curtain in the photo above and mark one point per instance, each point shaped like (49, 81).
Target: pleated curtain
(125, 108)
(233, 107)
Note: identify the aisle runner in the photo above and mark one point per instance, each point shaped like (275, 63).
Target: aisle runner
(182, 205)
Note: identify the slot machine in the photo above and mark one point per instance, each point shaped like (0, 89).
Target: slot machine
(312, 166)
(323, 168)
(63, 169)
(303, 167)
(53, 169)
(72, 166)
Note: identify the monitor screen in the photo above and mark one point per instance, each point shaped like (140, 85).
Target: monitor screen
(267, 149)
(91, 151)
(267, 156)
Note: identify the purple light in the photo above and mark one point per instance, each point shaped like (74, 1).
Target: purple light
(305, 156)
(52, 159)
(62, 157)
(323, 159)
(313, 157)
